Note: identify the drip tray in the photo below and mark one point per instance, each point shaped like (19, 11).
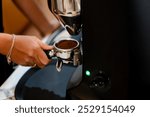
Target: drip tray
(48, 83)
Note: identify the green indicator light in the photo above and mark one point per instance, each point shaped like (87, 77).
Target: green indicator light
(88, 73)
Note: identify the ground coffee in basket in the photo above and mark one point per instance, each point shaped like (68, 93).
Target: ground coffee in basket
(66, 44)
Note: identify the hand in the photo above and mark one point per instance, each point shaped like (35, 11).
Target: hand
(28, 51)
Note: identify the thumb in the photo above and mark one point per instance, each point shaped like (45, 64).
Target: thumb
(46, 46)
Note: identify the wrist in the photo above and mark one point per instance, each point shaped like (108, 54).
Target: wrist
(8, 56)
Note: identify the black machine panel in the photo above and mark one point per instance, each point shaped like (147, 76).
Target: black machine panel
(116, 41)
(105, 44)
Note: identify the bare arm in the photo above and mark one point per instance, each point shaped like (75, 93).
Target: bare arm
(40, 16)
(27, 50)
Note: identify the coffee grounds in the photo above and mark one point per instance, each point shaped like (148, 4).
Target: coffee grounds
(66, 44)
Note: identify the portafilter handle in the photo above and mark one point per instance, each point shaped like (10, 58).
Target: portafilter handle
(49, 53)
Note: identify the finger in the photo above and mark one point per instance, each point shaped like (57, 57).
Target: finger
(38, 62)
(30, 62)
(41, 59)
(33, 66)
(45, 46)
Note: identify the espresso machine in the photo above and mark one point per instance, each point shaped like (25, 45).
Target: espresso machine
(115, 39)
(73, 15)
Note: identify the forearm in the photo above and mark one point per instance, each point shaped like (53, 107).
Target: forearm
(24, 50)
(40, 16)
(5, 43)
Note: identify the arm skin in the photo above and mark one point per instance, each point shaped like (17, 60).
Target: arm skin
(27, 51)
(41, 17)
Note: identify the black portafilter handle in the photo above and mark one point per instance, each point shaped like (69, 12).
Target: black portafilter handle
(47, 52)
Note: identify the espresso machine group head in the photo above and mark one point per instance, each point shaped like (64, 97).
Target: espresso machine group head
(68, 13)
